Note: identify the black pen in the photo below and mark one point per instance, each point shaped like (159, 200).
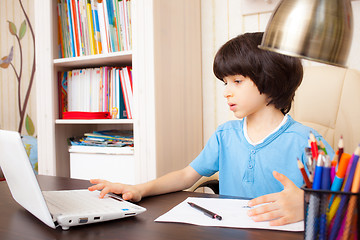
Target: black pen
(205, 211)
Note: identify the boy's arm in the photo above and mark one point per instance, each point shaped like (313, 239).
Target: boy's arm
(171, 182)
(283, 207)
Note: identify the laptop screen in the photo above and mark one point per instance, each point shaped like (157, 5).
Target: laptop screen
(20, 177)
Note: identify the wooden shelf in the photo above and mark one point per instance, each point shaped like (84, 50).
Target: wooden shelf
(94, 121)
(115, 58)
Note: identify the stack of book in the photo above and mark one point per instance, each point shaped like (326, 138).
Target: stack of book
(104, 89)
(108, 141)
(88, 27)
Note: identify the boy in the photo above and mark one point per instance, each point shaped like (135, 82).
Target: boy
(248, 153)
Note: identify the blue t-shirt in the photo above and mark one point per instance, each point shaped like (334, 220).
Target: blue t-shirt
(246, 170)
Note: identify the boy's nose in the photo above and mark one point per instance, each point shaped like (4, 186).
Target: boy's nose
(228, 94)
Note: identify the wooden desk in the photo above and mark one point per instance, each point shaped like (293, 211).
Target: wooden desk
(16, 223)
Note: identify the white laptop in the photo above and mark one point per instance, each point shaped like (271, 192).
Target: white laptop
(55, 208)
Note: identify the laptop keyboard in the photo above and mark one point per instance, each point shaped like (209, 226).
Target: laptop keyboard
(83, 201)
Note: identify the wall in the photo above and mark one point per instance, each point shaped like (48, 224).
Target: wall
(223, 20)
(10, 10)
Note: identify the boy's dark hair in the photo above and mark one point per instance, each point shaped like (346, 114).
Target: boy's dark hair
(276, 75)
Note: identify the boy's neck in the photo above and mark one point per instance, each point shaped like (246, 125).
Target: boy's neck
(262, 123)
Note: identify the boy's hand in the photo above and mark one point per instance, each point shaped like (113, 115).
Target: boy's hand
(283, 207)
(128, 192)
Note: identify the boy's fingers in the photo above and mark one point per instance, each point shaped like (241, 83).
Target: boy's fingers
(96, 181)
(127, 196)
(105, 191)
(263, 199)
(267, 216)
(262, 209)
(285, 181)
(96, 187)
(279, 222)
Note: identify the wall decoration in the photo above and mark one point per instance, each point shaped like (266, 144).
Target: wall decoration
(24, 81)
(6, 61)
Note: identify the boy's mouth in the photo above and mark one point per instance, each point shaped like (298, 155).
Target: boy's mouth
(232, 106)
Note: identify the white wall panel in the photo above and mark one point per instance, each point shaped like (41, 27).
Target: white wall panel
(354, 60)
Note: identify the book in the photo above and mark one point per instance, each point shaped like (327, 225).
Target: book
(80, 28)
(125, 94)
(85, 27)
(124, 18)
(60, 30)
(76, 32)
(102, 27)
(69, 91)
(122, 109)
(128, 3)
(112, 134)
(70, 27)
(90, 27)
(97, 36)
(128, 89)
(106, 138)
(117, 27)
(64, 28)
(85, 115)
(62, 93)
(112, 25)
(101, 150)
(76, 96)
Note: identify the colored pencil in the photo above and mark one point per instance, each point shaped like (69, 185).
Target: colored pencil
(314, 202)
(322, 146)
(352, 202)
(333, 167)
(340, 175)
(325, 185)
(309, 163)
(340, 148)
(304, 174)
(314, 147)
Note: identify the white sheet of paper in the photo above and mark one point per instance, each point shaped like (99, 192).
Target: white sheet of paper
(232, 211)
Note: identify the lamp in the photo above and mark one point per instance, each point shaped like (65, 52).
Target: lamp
(318, 30)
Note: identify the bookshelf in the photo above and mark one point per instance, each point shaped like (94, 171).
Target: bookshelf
(166, 61)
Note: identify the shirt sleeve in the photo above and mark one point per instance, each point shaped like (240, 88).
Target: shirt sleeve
(207, 162)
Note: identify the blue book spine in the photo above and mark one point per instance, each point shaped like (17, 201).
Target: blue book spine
(71, 28)
(110, 10)
(97, 28)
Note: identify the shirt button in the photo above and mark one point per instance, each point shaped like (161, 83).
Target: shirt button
(252, 151)
(250, 166)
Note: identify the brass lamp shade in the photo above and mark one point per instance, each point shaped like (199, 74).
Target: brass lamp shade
(318, 30)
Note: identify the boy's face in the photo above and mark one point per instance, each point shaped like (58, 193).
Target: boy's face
(243, 96)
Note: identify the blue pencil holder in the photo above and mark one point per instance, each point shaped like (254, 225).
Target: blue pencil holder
(331, 215)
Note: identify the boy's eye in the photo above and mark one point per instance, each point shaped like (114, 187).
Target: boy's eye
(237, 81)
